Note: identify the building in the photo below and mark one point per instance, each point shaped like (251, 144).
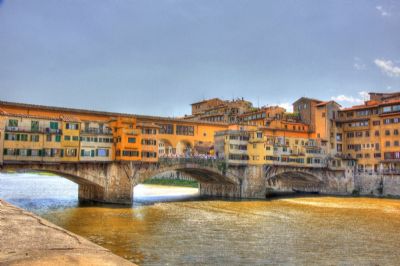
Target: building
(370, 133)
(262, 116)
(57, 134)
(231, 146)
(217, 110)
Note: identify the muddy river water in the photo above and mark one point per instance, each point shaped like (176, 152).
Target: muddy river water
(173, 226)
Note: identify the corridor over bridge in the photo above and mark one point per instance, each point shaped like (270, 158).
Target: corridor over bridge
(107, 153)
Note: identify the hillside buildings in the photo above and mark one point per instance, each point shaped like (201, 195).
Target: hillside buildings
(317, 134)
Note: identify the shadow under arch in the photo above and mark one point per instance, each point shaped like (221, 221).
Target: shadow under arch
(295, 181)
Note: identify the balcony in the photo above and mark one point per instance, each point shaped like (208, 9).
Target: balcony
(96, 131)
(48, 130)
(131, 131)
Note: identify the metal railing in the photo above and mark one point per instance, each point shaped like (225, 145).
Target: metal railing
(96, 131)
(45, 130)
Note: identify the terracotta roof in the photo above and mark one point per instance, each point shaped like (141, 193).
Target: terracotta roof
(306, 98)
(105, 113)
(4, 113)
(366, 106)
(326, 102)
(204, 101)
(69, 118)
(144, 124)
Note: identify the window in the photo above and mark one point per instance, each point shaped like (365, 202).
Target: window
(396, 143)
(376, 133)
(387, 144)
(130, 153)
(149, 154)
(54, 125)
(396, 132)
(75, 138)
(70, 152)
(58, 138)
(387, 132)
(48, 137)
(12, 123)
(102, 152)
(67, 138)
(34, 138)
(376, 123)
(149, 142)
(23, 137)
(131, 140)
(35, 125)
(185, 130)
(149, 131)
(72, 126)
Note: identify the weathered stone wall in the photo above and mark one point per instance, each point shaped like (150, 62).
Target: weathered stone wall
(377, 185)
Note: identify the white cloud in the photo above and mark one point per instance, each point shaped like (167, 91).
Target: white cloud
(350, 100)
(388, 67)
(287, 106)
(358, 64)
(382, 11)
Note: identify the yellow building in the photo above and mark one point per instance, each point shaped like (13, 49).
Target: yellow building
(370, 133)
(96, 141)
(70, 141)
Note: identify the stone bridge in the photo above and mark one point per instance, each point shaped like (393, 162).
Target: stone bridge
(113, 182)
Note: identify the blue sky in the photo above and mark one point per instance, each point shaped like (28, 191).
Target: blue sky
(157, 57)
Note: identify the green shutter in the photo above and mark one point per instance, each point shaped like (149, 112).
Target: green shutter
(82, 153)
(58, 138)
(18, 137)
(29, 152)
(92, 153)
(6, 136)
(5, 152)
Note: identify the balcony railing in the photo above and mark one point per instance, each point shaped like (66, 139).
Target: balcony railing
(97, 131)
(46, 130)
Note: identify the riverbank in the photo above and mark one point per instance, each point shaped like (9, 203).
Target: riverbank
(27, 239)
(171, 182)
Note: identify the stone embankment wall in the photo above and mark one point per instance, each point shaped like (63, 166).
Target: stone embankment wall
(27, 239)
(366, 184)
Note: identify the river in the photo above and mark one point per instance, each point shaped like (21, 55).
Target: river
(173, 226)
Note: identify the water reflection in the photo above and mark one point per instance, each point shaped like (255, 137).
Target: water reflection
(322, 230)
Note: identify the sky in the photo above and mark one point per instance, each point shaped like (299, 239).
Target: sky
(155, 57)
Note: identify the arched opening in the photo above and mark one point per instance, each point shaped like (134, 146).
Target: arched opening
(292, 183)
(208, 183)
(165, 148)
(184, 148)
(35, 188)
(167, 186)
(37, 191)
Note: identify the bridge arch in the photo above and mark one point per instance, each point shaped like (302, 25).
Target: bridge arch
(102, 182)
(212, 177)
(289, 180)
